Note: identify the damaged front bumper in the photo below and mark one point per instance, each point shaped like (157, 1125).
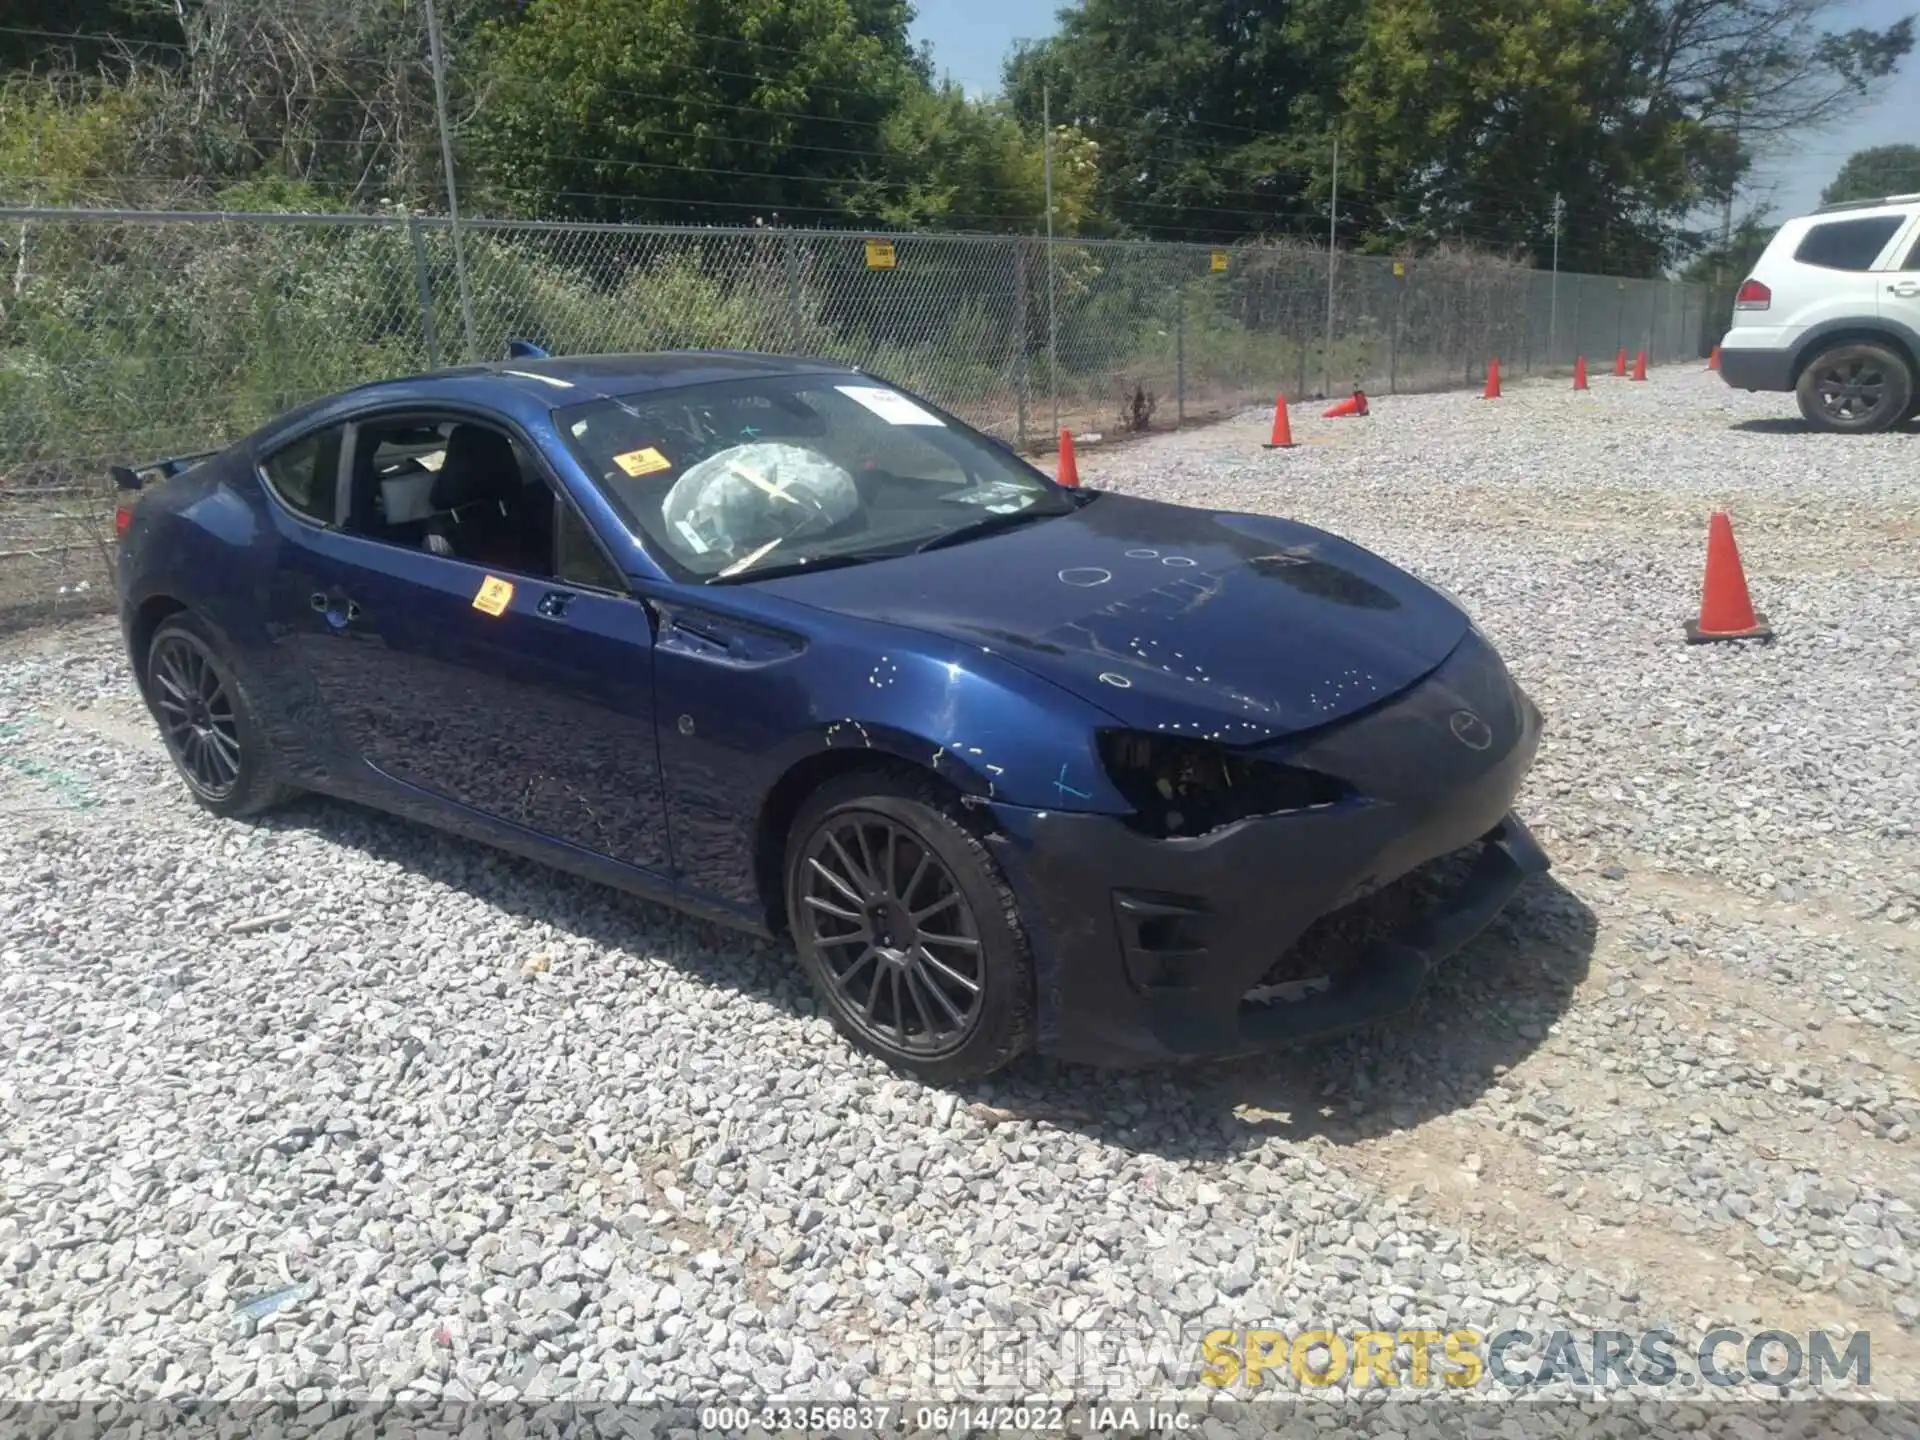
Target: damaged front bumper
(1150, 949)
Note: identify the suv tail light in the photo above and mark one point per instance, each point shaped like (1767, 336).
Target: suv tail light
(122, 518)
(1753, 296)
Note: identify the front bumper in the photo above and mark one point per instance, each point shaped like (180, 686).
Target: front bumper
(1146, 948)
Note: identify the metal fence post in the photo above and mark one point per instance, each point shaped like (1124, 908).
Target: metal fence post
(1179, 355)
(790, 258)
(1393, 333)
(1023, 334)
(423, 288)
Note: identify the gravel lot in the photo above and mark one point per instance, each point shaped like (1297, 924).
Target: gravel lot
(509, 1133)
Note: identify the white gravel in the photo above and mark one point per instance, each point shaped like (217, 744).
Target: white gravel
(470, 1128)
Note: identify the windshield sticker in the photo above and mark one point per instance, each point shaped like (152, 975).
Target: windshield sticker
(494, 595)
(645, 461)
(890, 405)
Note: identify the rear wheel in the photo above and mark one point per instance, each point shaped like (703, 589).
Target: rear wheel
(908, 928)
(207, 723)
(1856, 388)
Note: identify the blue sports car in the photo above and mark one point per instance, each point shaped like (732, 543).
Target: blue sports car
(1016, 765)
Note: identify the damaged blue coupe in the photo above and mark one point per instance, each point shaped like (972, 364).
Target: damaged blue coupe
(1014, 765)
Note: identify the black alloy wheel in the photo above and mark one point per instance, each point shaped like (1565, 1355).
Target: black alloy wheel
(1856, 388)
(206, 721)
(907, 926)
(196, 715)
(897, 938)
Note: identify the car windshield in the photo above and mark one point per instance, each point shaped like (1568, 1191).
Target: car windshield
(751, 478)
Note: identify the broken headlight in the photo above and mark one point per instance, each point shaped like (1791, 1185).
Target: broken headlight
(1179, 786)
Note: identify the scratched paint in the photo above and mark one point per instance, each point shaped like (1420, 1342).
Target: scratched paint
(848, 728)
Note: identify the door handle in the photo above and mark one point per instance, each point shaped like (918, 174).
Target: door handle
(1906, 289)
(554, 603)
(338, 612)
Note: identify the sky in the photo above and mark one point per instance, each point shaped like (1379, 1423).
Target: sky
(971, 38)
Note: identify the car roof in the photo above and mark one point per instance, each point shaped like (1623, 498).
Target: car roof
(1885, 202)
(543, 383)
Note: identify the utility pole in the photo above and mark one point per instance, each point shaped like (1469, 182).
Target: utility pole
(1553, 290)
(1333, 222)
(1726, 215)
(1053, 327)
(446, 159)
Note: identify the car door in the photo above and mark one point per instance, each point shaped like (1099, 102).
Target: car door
(1900, 289)
(522, 694)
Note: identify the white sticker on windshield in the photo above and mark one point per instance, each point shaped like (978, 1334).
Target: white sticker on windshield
(890, 405)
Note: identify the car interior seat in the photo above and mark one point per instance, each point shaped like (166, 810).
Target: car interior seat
(478, 499)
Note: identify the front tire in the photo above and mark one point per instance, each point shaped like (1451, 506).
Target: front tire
(1856, 388)
(207, 723)
(907, 928)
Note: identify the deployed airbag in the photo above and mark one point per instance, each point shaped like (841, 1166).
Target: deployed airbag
(752, 496)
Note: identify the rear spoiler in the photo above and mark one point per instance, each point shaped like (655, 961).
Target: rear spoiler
(133, 477)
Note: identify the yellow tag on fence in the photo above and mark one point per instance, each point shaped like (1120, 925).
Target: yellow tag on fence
(1219, 260)
(494, 595)
(648, 461)
(879, 254)
(1400, 269)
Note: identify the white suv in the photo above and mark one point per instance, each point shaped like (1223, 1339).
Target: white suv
(1832, 312)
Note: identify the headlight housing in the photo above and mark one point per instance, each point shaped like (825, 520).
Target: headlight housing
(1185, 787)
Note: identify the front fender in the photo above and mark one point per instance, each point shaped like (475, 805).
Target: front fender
(749, 724)
(991, 729)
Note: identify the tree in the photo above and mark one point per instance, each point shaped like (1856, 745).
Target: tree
(950, 163)
(718, 111)
(332, 97)
(1210, 115)
(1474, 114)
(1869, 174)
(1732, 264)
(51, 37)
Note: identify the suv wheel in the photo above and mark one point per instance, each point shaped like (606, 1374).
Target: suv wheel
(1856, 388)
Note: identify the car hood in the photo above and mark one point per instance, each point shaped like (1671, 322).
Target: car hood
(1238, 628)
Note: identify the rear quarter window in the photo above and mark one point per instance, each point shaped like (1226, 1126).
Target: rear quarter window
(1847, 244)
(305, 475)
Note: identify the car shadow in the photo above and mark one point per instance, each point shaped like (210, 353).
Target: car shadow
(1484, 1011)
(1793, 425)
(576, 909)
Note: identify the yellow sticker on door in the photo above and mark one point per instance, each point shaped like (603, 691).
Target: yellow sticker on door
(648, 461)
(494, 595)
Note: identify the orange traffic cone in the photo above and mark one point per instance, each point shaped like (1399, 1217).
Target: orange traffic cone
(1282, 427)
(1620, 364)
(1726, 610)
(1355, 404)
(1492, 392)
(1640, 365)
(1579, 372)
(1069, 467)
(1713, 360)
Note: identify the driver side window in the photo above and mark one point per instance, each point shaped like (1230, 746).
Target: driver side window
(464, 490)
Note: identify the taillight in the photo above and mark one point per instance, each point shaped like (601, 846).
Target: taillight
(1753, 296)
(122, 518)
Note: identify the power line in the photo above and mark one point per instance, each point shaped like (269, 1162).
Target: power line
(95, 37)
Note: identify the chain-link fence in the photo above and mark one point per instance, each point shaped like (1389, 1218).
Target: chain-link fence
(127, 336)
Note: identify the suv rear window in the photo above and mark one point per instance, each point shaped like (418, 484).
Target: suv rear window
(1848, 244)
